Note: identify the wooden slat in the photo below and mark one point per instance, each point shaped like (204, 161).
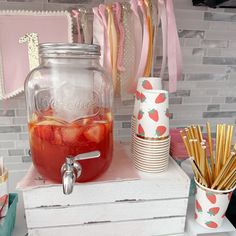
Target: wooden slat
(124, 211)
(172, 226)
(105, 192)
(171, 184)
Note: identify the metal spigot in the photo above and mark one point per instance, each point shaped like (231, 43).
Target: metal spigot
(71, 169)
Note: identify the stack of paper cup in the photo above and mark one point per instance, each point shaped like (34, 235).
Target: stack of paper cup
(153, 116)
(144, 84)
(151, 155)
(150, 129)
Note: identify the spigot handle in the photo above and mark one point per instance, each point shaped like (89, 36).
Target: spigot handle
(87, 155)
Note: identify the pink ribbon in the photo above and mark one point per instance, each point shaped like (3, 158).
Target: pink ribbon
(138, 37)
(145, 44)
(75, 13)
(162, 17)
(98, 32)
(107, 54)
(120, 30)
(173, 48)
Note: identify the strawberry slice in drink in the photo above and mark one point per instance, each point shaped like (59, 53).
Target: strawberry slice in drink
(95, 133)
(71, 134)
(44, 129)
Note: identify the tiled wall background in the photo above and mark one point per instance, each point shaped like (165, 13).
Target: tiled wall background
(206, 93)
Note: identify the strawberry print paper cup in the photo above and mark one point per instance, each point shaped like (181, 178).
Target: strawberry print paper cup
(210, 206)
(145, 83)
(3, 194)
(153, 115)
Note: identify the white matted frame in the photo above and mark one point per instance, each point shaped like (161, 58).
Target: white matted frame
(51, 26)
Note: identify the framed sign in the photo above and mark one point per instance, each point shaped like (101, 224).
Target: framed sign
(14, 63)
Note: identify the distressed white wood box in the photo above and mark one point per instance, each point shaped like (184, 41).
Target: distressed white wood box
(122, 202)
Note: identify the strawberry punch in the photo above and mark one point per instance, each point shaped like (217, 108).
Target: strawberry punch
(52, 140)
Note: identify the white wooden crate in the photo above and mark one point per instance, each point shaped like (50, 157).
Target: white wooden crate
(122, 202)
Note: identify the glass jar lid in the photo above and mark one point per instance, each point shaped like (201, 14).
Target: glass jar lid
(73, 49)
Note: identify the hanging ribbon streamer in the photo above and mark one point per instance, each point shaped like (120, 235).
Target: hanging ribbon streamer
(120, 29)
(98, 33)
(107, 53)
(85, 26)
(113, 42)
(127, 76)
(162, 18)
(138, 38)
(174, 51)
(150, 38)
(75, 13)
(145, 44)
(155, 21)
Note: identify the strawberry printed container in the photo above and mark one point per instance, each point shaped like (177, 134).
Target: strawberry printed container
(153, 115)
(211, 206)
(69, 100)
(145, 83)
(4, 193)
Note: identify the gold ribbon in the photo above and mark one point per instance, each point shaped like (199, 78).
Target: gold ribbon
(148, 67)
(113, 41)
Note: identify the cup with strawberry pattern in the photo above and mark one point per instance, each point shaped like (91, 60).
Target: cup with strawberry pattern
(145, 83)
(4, 193)
(153, 115)
(211, 206)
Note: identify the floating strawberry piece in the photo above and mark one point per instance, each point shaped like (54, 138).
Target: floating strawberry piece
(211, 197)
(195, 215)
(146, 85)
(160, 130)
(95, 133)
(213, 211)
(223, 216)
(211, 224)
(142, 97)
(71, 134)
(57, 136)
(198, 206)
(153, 114)
(44, 132)
(44, 129)
(137, 95)
(141, 130)
(140, 114)
(160, 98)
(230, 195)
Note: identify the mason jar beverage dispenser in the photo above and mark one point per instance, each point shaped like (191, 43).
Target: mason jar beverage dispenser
(69, 100)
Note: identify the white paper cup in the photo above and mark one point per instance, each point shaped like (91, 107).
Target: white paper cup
(4, 194)
(145, 83)
(210, 206)
(153, 116)
(151, 141)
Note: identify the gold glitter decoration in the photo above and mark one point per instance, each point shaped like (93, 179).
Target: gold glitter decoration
(32, 40)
